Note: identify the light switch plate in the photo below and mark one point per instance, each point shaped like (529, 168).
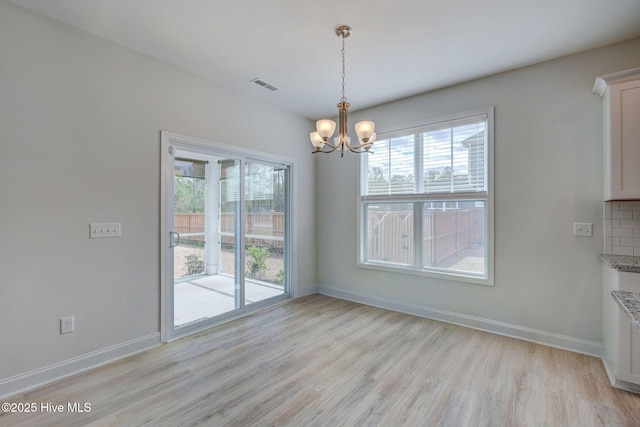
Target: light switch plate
(583, 229)
(98, 230)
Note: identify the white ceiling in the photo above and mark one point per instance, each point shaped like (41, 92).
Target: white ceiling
(397, 49)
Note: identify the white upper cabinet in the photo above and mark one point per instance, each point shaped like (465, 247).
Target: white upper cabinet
(621, 95)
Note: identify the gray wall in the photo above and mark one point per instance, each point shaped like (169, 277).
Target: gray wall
(548, 175)
(80, 122)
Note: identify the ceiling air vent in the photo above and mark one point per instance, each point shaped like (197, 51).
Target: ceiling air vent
(264, 84)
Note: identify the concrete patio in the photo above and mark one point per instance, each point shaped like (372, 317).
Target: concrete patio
(208, 296)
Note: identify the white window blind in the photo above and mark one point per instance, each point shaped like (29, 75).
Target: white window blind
(430, 162)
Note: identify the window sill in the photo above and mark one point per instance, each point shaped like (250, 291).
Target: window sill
(453, 276)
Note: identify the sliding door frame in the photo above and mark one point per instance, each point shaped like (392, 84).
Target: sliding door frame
(170, 142)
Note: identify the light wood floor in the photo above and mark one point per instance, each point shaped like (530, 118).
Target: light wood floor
(319, 361)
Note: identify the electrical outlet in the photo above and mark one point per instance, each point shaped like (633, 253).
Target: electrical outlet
(66, 325)
(584, 229)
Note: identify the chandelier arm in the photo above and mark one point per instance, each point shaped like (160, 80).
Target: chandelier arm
(325, 151)
(361, 146)
(360, 149)
(330, 145)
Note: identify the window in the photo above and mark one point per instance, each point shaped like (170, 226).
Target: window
(426, 200)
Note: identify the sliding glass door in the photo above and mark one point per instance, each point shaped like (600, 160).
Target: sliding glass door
(225, 234)
(264, 234)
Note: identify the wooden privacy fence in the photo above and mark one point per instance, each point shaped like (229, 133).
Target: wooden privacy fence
(190, 226)
(446, 233)
(264, 229)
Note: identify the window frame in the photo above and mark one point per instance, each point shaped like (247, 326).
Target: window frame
(416, 268)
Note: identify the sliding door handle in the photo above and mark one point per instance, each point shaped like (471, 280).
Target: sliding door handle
(174, 239)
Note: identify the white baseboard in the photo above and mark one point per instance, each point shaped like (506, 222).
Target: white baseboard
(303, 292)
(550, 339)
(48, 374)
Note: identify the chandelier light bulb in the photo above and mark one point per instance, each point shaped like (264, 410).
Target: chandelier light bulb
(325, 129)
(316, 140)
(364, 130)
(370, 142)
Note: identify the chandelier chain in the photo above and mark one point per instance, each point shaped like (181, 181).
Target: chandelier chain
(344, 98)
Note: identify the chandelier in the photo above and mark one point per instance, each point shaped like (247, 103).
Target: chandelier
(325, 128)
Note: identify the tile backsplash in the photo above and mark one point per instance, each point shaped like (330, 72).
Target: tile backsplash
(622, 228)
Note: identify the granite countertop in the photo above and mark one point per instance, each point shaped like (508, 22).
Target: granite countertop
(622, 262)
(629, 303)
